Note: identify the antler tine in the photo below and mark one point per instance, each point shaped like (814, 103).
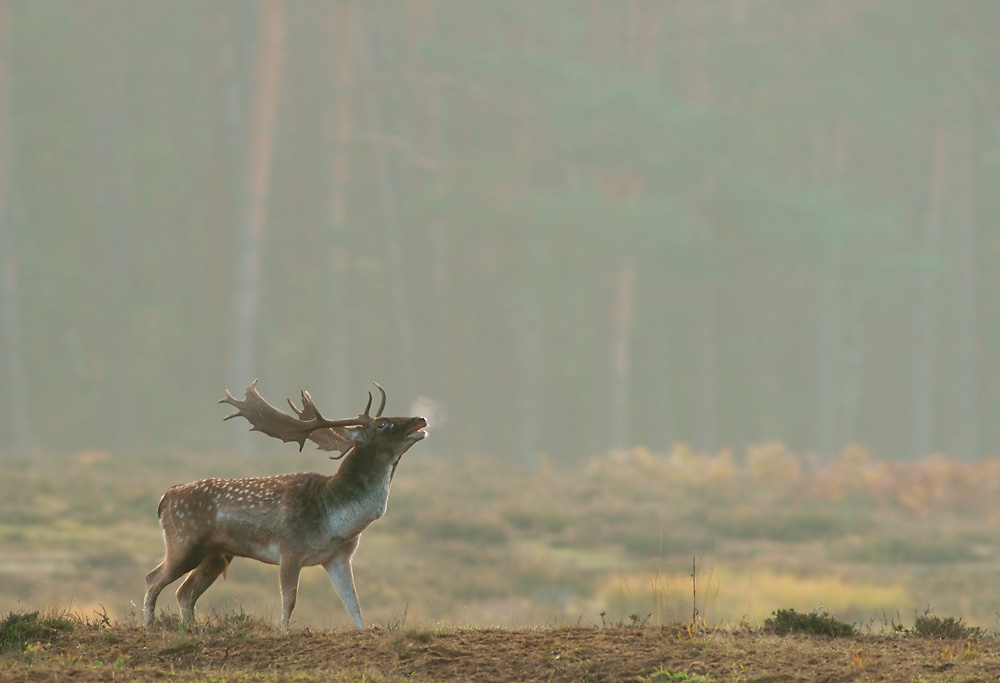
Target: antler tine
(232, 400)
(301, 412)
(369, 406)
(309, 409)
(381, 406)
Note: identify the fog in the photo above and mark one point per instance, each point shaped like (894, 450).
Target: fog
(555, 228)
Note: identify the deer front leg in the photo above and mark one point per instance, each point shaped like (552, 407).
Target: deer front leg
(342, 574)
(288, 577)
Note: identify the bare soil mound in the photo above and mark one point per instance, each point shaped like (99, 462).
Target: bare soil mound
(250, 651)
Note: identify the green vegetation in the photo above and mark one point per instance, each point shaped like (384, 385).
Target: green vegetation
(953, 628)
(661, 675)
(19, 630)
(785, 621)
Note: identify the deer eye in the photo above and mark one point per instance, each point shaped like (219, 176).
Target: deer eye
(383, 424)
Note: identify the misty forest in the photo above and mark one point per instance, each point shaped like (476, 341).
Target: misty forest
(698, 299)
(558, 228)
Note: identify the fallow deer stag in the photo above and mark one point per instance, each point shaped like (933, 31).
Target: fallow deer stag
(291, 520)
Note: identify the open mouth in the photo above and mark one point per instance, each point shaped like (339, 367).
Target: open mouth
(418, 431)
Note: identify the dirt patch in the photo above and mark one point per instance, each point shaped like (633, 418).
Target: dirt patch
(90, 653)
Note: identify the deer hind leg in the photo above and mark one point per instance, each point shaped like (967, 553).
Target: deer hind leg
(198, 581)
(159, 578)
(153, 588)
(288, 577)
(342, 575)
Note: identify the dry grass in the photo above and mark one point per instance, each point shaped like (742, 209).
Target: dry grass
(240, 647)
(476, 543)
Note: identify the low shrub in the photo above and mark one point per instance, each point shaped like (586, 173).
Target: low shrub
(785, 621)
(931, 626)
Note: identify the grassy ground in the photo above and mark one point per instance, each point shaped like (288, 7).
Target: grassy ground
(631, 538)
(238, 647)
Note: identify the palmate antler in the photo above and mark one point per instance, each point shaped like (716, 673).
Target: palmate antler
(308, 422)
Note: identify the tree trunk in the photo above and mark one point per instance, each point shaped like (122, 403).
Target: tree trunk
(839, 308)
(335, 327)
(839, 325)
(229, 31)
(705, 363)
(621, 352)
(694, 80)
(116, 251)
(430, 136)
(526, 326)
(925, 342)
(695, 85)
(964, 391)
(528, 313)
(14, 376)
(830, 286)
(395, 266)
(644, 19)
(851, 358)
(263, 116)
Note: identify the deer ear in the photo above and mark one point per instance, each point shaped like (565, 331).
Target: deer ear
(348, 438)
(353, 434)
(339, 439)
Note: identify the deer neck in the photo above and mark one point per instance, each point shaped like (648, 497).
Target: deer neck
(361, 484)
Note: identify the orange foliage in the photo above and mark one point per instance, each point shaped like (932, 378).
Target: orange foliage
(771, 468)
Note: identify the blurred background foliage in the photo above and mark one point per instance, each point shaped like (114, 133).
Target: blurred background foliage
(560, 227)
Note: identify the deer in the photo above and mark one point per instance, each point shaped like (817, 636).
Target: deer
(289, 520)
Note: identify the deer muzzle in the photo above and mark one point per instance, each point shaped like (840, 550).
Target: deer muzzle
(418, 432)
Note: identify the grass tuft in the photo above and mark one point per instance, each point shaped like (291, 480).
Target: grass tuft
(927, 625)
(17, 631)
(661, 675)
(785, 621)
